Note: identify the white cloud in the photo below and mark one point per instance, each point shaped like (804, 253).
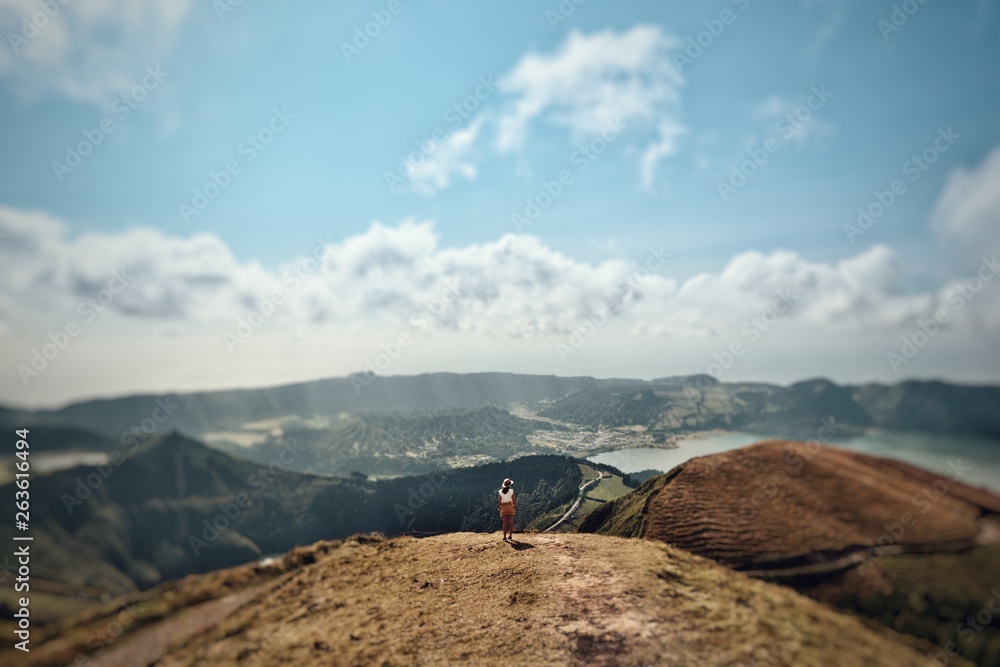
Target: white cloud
(658, 150)
(590, 80)
(453, 156)
(89, 50)
(625, 78)
(966, 216)
(859, 293)
(45, 271)
(511, 287)
(517, 299)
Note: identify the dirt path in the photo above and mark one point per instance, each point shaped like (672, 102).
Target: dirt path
(150, 645)
(553, 598)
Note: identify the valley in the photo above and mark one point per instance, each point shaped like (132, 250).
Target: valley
(128, 507)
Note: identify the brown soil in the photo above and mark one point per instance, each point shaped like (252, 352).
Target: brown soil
(782, 504)
(472, 599)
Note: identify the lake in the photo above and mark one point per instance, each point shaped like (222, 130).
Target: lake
(43, 463)
(929, 451)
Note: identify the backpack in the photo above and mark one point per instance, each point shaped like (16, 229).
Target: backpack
(506, 498)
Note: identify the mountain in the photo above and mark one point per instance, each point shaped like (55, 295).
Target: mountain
(916, 551)
(202, 412)
(800, 410)
(664, 406)
(420, 424)
(176, 507)
(467, 598)
(401, 443)
(932, 406)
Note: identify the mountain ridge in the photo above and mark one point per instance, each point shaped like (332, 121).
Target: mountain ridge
(908, 405)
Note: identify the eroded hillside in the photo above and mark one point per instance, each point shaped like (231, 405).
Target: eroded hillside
(914, 550)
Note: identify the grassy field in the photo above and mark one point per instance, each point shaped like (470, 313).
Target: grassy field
(607, 489)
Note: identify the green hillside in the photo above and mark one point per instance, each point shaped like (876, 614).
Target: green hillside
(177, 507)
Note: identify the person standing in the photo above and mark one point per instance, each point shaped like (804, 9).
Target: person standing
(507, 504)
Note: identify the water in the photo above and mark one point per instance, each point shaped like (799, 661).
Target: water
(927, 450)
(646, 458)
(44, 463)
(49, 462)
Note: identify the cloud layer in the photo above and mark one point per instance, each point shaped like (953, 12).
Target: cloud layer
(87, 50)
(513, 286)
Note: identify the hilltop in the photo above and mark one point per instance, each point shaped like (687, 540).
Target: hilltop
(176, 507)
(913, 550)
(470, 598)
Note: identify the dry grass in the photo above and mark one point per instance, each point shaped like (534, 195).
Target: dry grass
(473, 599)
(773, 503)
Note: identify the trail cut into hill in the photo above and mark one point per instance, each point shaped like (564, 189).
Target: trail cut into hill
(469, 598)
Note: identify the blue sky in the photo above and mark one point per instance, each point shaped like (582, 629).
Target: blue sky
(346, 120)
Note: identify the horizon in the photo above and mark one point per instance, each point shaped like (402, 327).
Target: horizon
(222, 389)
(202, 197)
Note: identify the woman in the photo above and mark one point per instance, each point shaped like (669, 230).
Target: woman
(508, 507)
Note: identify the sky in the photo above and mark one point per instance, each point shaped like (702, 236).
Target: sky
(229, 194)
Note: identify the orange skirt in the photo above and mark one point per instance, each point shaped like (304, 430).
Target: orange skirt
(507, 510)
